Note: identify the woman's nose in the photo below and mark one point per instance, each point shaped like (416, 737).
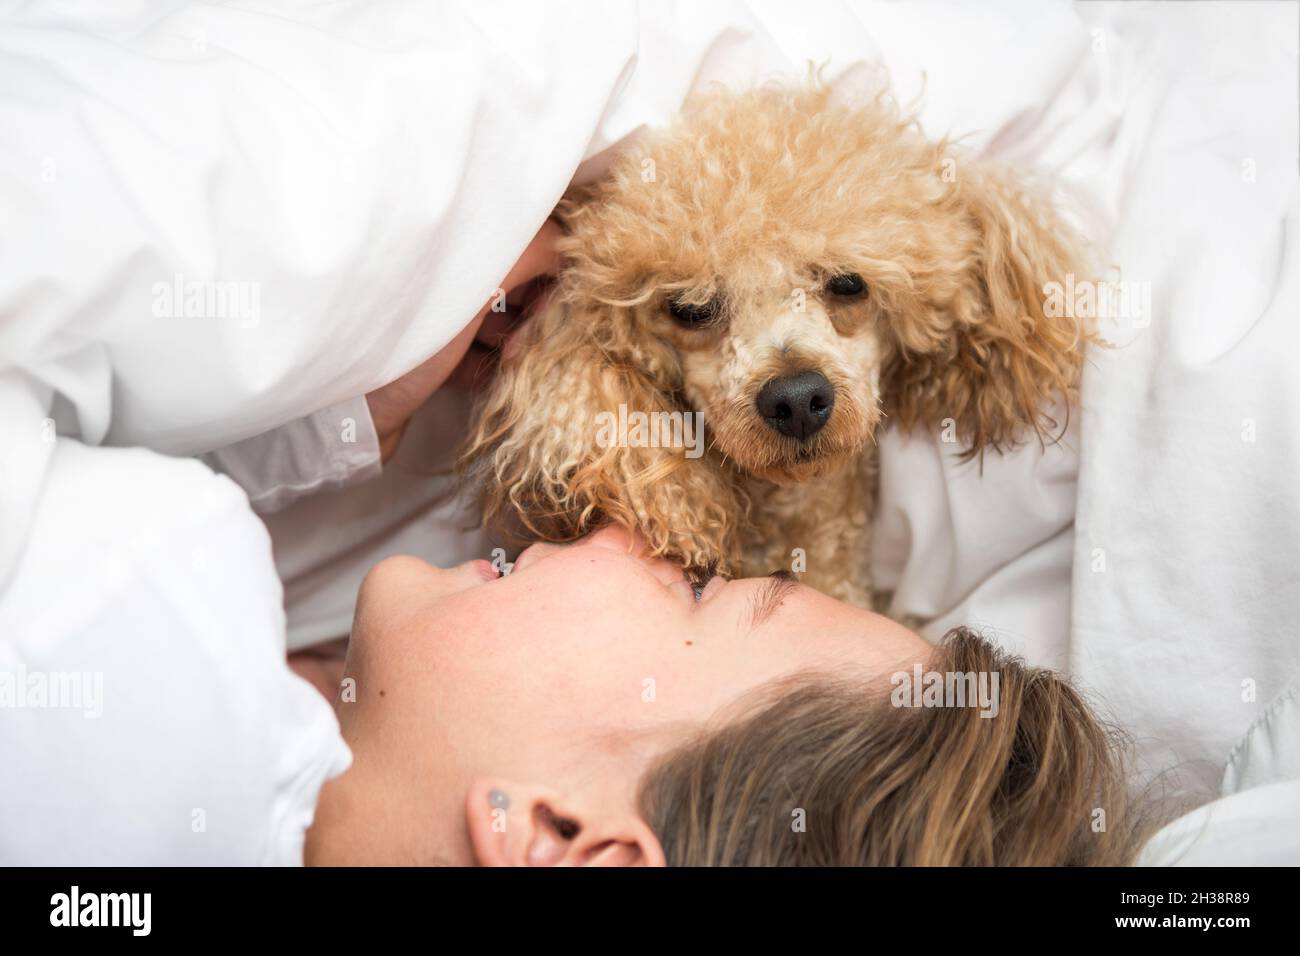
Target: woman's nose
(534, 552)
(633, 544)
(610, 538)
(617, 538)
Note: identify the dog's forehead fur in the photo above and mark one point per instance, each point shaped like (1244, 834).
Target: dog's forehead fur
(766, 191)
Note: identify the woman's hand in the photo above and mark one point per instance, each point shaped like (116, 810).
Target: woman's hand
(392, 406)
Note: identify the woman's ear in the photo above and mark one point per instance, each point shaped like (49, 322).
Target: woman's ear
(990, 362)
(547, 451)
(514, 824)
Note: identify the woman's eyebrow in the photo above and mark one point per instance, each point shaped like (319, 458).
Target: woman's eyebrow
(770, 595)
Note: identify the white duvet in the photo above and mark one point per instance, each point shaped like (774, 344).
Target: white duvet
(366, 172)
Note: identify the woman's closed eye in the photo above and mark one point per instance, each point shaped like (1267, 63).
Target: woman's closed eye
(709, 588)
(765, 595)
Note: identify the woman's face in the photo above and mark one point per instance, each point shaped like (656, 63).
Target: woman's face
(508, 720)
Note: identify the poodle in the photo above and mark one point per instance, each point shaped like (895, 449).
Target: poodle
(795, 271)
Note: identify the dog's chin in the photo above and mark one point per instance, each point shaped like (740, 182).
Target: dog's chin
(787, 466)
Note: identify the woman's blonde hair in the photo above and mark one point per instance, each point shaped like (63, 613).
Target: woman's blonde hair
(821, 777)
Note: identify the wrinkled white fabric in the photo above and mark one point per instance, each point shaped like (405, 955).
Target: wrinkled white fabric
(1256, 820)
(334, 449)
(147, 715)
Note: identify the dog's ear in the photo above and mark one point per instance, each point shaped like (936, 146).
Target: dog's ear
(544, 451)
(990, 361)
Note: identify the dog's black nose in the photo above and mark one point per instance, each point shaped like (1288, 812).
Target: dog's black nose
(797, 405)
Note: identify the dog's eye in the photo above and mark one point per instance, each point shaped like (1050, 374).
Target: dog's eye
(846, 284)
(693, 316)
